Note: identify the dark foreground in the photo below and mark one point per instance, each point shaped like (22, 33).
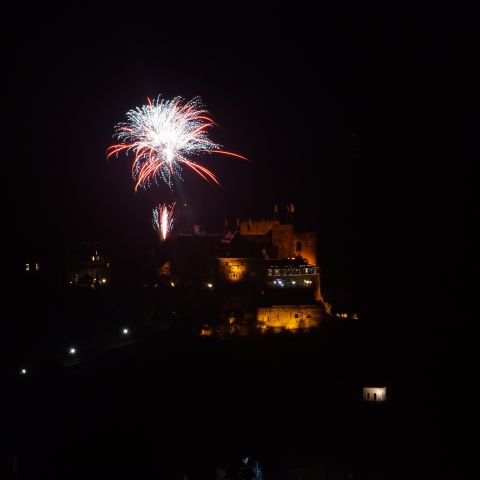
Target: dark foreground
(170, 406)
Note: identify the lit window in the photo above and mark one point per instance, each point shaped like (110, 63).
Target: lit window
(93, 258)
(27, 267)
(37, 267)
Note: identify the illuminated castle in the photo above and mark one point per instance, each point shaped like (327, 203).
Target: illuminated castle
(264, 272)
(286, 268)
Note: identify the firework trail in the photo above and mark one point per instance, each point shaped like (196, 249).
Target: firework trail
(163, 219)
(164, 136)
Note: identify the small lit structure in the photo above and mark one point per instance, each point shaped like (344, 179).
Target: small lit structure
(375, 394)
(125, 331)
(23, 371)
(72, 351)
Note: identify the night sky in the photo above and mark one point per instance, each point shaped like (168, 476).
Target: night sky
(288, 89)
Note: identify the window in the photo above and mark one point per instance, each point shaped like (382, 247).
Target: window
(298, 248)
(296, 315)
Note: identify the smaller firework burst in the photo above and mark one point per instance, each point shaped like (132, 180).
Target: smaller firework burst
(163, 219)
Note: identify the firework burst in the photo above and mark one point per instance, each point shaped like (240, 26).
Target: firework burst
(164, 136)
(163, 219)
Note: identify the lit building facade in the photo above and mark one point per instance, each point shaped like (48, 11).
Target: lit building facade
(280, 318)
(294, 273)
(238, 269)
(375, 394)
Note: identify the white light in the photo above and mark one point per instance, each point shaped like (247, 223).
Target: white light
(125, 331)
(72, 351)
(23, 371)
(104, 280)
(209, 285)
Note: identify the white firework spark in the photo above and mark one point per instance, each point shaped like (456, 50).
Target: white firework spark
(164, 135)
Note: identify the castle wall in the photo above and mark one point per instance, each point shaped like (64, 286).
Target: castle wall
(289, 317)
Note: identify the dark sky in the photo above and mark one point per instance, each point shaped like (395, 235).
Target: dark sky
(288, 89)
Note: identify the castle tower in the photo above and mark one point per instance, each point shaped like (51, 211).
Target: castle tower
(290, 211)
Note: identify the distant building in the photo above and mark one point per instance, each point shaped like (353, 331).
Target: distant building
(90, 267)
(375, 394)
(38, 269)
(32, 266)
